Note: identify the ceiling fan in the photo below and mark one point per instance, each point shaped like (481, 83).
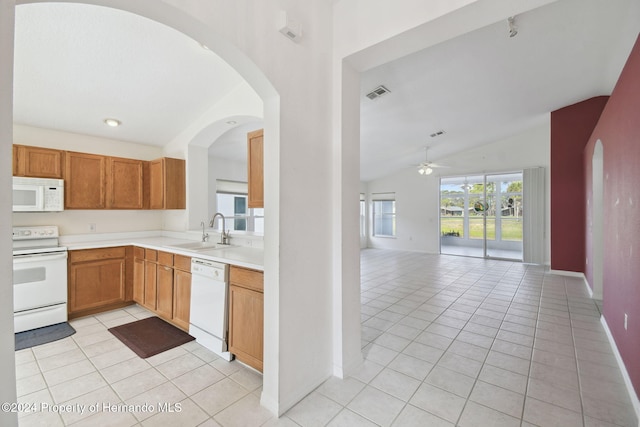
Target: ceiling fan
(426, 167)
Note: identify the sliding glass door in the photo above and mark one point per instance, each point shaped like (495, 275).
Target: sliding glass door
(481, 216)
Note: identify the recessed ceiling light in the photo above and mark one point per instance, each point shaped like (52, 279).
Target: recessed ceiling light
(231, 122)
(114, 123)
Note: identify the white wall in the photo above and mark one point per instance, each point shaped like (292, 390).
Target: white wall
(77, 221)
(417, 196)
(311, 148)
(7, 354)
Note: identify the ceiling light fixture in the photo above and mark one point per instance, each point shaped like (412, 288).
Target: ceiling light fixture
(513, 29)
(114, 123)
(425, 170)
(231, 122)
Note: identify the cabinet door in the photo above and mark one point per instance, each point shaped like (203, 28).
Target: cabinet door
(246, 314)
(96, 283)
(37, 162)
(181, 298)
(125, 187)
(167, 184)
(156, 184)
(150, 285)
(84, 181)
(164, 290)
(16, 160)
(138, 280)
(255, 163)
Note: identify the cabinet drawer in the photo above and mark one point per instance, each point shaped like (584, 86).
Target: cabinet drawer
(182, 262)
(97, 254)
(165, 258)
(151, 255)
(244, 277)
(138, 252)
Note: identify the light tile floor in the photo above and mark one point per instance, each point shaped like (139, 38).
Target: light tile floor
(447, 341)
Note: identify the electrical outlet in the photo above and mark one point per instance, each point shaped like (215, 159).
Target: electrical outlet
(626, 318)
(92, 228)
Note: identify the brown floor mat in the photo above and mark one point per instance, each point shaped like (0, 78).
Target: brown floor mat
(150, 336)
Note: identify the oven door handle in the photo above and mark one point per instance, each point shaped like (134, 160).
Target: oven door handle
(23, 259)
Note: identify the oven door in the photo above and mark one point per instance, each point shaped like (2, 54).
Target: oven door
(39, 280)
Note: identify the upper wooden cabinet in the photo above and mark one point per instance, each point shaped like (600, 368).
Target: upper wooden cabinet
(85, 181)
(37, 162)
(125, 183)
(255, 162)
(167, 184)
(94, 181)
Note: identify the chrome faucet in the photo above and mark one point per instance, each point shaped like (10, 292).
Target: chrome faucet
(205, 236)
(224, 236)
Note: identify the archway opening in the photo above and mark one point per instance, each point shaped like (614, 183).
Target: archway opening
(597, 217)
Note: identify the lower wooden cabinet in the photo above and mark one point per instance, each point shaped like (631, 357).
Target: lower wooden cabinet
(164, 290)
(181, 298)
(97, 280)
(162, 284)
(246, 316)
(150, 279)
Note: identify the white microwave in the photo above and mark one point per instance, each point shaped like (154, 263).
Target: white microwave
(38, 194)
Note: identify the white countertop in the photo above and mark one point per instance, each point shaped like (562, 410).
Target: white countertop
(242, 256)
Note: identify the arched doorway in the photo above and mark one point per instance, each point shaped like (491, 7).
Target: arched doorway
(597, 218)
(189, 25)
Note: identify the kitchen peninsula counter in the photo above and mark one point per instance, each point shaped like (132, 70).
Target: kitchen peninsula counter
(242, 256)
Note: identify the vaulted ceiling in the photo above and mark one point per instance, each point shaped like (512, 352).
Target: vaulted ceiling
(76, 65)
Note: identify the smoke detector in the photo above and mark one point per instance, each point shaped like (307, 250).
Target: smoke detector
(378, 92)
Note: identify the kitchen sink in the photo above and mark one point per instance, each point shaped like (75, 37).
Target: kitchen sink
(198, 246)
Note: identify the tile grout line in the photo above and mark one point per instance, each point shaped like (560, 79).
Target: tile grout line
(535, 336)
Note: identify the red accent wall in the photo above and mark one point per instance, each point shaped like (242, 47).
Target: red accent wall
(619, 131)
(571, 128)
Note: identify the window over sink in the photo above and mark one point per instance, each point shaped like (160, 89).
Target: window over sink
(231, 201)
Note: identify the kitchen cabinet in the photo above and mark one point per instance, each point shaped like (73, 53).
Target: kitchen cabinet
(98, 280)
(167, 184)
(182, 291)
(150, 279)
(255, 172)
(138, 275)
(125, 183)
(246, 315)
(85, 181)
(37, 162)
(94, 181)
(162, 284)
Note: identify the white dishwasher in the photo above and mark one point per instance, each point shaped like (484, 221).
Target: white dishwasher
(208, 317)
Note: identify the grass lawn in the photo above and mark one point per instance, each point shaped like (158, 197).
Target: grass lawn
(511, 228)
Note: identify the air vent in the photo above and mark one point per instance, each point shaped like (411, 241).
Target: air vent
(440, 132)
(378, 92)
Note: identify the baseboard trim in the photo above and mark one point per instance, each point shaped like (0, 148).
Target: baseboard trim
(625, 375)
(567, 273)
